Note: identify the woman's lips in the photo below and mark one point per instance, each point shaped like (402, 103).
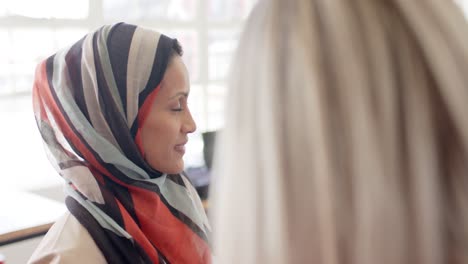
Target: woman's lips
(180, 148)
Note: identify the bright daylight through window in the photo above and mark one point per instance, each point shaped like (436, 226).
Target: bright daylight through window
(32, 30)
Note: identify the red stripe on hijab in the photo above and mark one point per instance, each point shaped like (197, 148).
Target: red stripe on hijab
(143, 113)
(134, 230)
(162, 228)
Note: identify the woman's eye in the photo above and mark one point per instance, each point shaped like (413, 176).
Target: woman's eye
(177, 107)
(180, 106)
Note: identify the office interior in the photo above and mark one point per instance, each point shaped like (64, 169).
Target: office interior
(31, 193)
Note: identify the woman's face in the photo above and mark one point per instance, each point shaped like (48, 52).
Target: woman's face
(164, 132)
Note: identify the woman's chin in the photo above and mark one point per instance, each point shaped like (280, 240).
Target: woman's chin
(176, 169)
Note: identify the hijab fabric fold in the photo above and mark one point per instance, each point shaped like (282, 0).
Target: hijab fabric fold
(90, 101)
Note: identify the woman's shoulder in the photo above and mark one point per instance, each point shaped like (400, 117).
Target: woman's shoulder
(67, 241)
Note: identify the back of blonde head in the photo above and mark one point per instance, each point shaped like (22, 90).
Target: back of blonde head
(346, 136)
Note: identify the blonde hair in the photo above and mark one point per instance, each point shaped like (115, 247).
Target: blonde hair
(346, 135)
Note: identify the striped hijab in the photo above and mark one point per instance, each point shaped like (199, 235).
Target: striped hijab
(89, 102)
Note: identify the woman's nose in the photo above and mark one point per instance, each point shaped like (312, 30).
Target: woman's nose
(189, 125)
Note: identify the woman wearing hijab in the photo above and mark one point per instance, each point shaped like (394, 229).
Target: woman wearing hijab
(350, 142)
(112, 111)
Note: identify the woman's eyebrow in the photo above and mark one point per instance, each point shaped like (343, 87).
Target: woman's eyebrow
(185, 94)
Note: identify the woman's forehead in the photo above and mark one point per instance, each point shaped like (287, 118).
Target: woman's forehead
(175, 81)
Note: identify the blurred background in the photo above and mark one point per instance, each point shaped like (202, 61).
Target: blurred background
(32, 30)
(31, 193)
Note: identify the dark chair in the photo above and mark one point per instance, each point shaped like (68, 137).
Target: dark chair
(209, 138)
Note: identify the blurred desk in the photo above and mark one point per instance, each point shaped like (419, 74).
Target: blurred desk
(25, 215)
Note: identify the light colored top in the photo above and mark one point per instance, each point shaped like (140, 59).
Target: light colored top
(67, 242)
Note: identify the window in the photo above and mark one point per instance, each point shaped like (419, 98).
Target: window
(463, 4)
(32, 30)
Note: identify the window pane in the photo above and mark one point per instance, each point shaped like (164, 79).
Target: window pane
(194, 155)
(5, 46)
(225, 10)
(6, 85)
(463, 4)
(215, 107)
(182, 10)
(6, 81)
(66, 37)
(196, 103)
(23, 76)
(38, 171)
(32, 44)
(66, 9)
(3, 10)
(222, 45)
(45, 42)
(29, 46)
